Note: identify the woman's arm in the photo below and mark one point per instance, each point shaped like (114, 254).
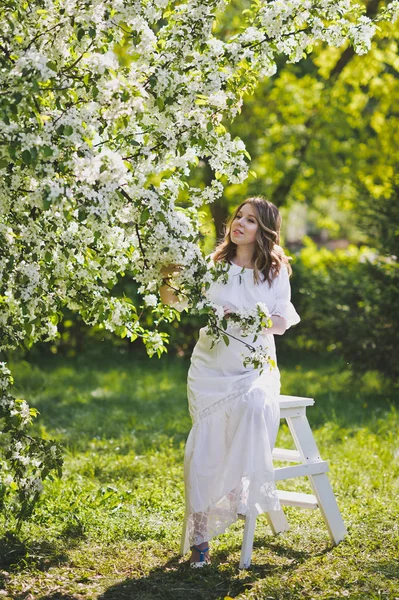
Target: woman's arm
(279, 323)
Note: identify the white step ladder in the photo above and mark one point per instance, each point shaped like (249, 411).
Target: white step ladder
(293, 410)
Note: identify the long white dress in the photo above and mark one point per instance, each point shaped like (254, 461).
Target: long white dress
(228, 468)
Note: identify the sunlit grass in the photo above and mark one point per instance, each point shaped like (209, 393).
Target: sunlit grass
(110, 527)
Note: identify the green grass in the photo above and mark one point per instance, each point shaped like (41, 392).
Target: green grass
(109, 529)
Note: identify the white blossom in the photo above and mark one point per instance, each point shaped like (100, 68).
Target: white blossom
(150, 300)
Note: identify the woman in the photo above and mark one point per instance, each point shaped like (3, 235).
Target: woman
(228, 464)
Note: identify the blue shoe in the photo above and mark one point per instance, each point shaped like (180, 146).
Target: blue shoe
(202, 560)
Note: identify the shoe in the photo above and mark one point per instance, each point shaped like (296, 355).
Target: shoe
(202, 561)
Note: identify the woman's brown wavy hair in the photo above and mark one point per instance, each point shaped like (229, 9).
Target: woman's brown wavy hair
(268, 255)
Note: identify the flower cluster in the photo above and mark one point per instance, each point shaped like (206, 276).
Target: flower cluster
(105, 109)
(252, 321)
(235, 325)
(259, 358)
(243, 323)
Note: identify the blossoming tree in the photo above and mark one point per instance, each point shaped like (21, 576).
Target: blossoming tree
(105, 109)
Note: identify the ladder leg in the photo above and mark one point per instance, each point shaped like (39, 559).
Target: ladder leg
(183, 541)
(277, 521)
(302, 435)
(247, 542)
(329, 508)
(307, 447)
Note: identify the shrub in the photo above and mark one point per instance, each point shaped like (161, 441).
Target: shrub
(347, 300)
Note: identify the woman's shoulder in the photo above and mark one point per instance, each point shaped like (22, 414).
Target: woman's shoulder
(281, 273)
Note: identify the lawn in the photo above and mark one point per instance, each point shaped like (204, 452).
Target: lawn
(110, 528)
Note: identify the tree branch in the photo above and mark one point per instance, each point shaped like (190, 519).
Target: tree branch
(126, 195)
(33, 40)
(68, 68)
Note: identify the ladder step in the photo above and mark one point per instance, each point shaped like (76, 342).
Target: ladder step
(299, 499)
(294, 401)
(289, 455)
(304, 470)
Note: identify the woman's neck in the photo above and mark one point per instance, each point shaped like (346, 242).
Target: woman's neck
(244, 257)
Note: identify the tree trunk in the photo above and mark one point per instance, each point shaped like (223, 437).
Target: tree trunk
(219, 208)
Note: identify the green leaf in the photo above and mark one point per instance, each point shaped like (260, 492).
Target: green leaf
(26, 157)
(12, 150)
(27, 343)
(47, 151)
(52, 65)
(144, 216)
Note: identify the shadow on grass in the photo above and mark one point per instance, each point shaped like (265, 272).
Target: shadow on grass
(53, 596)
(177, 581)
(16, 554)
(389, 569)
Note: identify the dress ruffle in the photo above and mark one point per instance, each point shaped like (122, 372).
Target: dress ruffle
(288, 312)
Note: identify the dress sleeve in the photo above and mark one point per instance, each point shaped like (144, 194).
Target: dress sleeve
(283, 306)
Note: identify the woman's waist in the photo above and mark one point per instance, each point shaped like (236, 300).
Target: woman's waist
(229, 353)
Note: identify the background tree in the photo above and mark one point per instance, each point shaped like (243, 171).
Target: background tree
(323, 131)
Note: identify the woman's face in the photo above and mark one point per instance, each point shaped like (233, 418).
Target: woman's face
(244, 226)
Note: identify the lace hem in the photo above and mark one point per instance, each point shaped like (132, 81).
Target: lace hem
(251, 497)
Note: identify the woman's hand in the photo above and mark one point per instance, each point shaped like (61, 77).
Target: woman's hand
(279, 326)
(167, 293)
(168, 270)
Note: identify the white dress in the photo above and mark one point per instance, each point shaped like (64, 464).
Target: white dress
(228, 468)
